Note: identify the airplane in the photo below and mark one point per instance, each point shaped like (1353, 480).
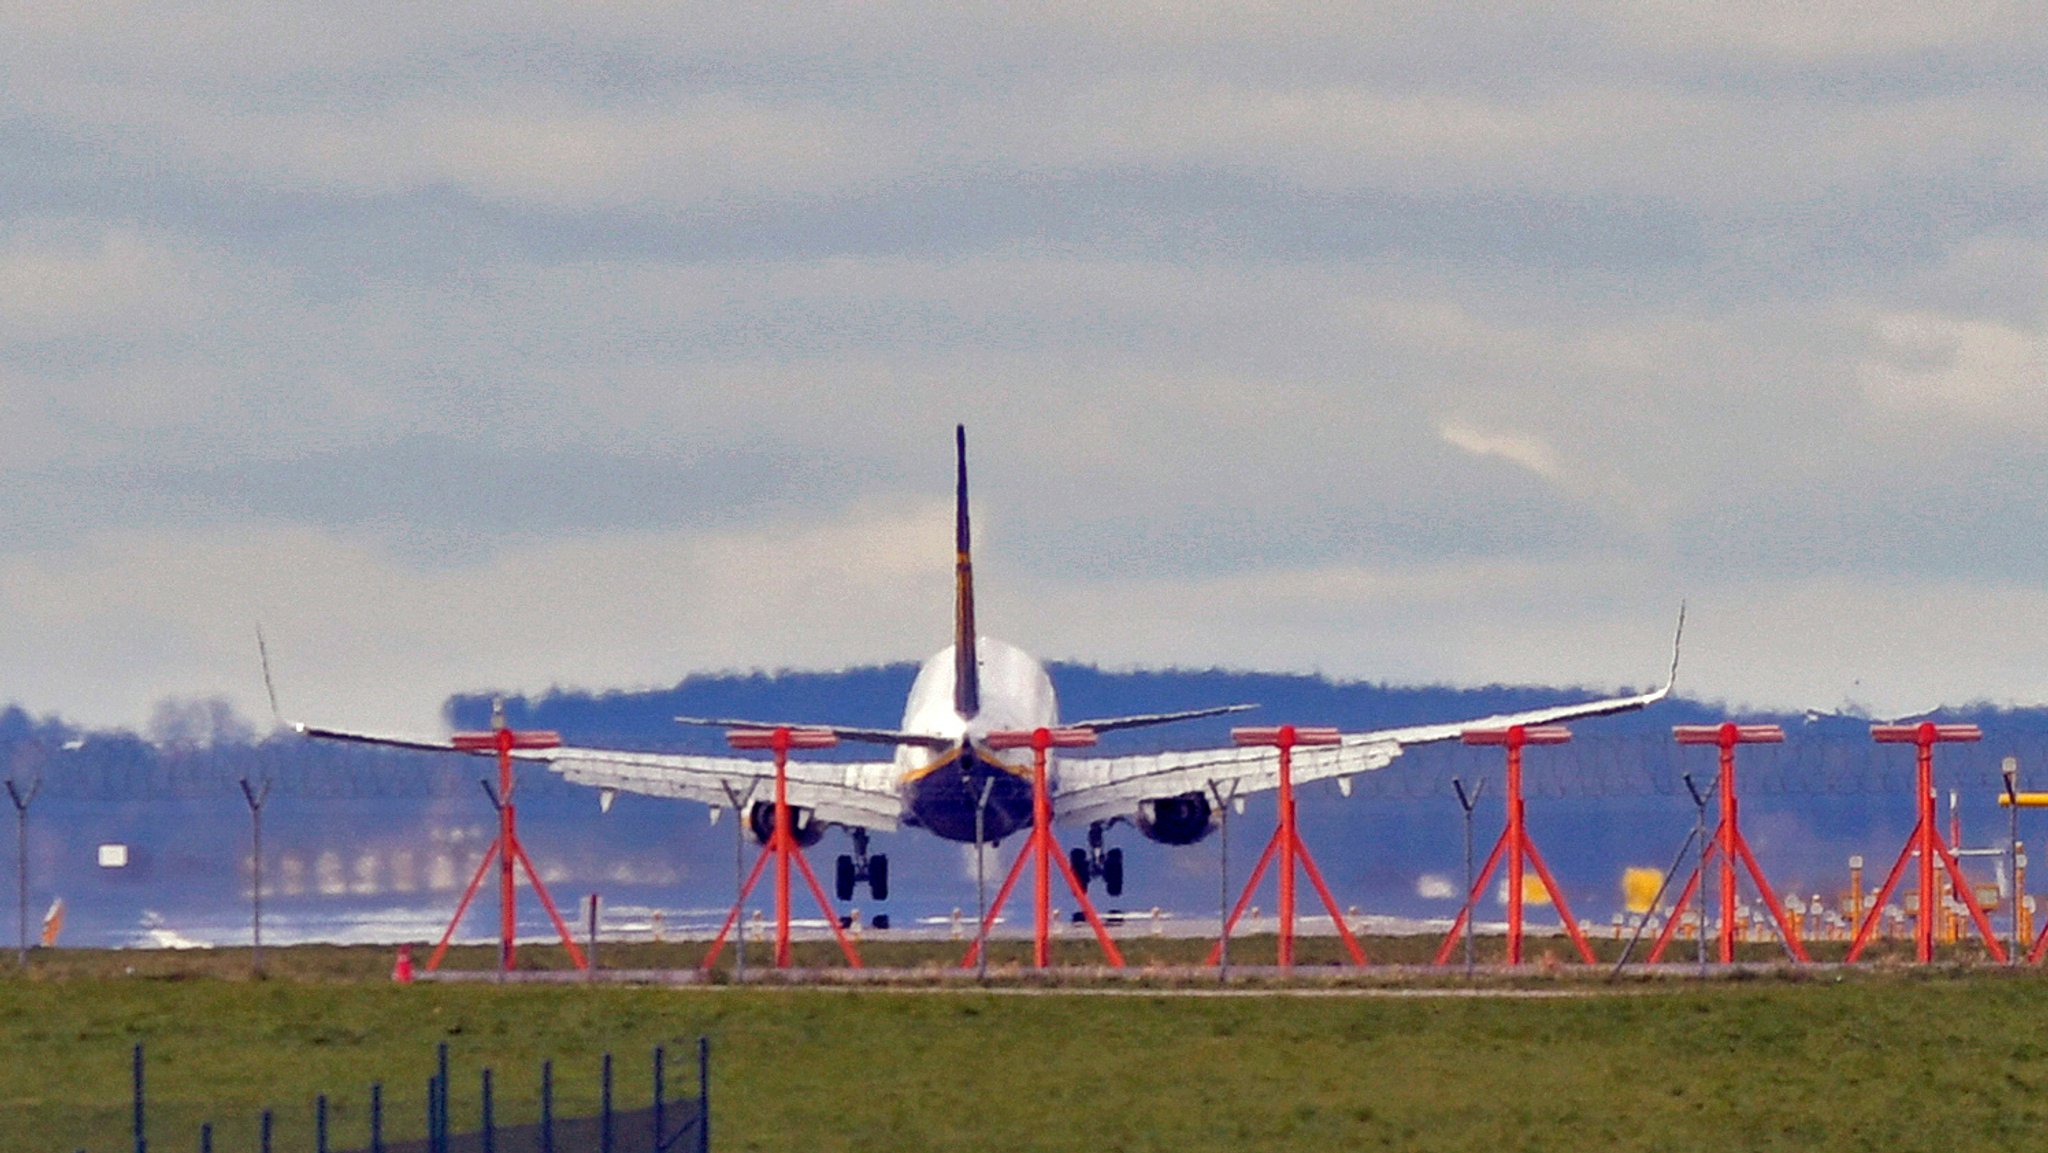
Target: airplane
(942, 762)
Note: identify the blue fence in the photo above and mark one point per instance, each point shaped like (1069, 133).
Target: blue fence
(668, 1124)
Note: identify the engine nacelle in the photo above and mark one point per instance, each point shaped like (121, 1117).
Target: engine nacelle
(1180, 820)
(808, 829)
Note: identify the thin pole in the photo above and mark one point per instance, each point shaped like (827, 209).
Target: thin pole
(255, 797)
(981, 875)
(1467, 803)
(21, 803)
(2010, 768)
(1223, 880)
(739, 875)
(1699, 830)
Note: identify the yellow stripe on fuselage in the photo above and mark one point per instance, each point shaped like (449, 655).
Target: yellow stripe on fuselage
(953, 755)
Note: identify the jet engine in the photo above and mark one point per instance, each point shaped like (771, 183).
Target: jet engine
(808, 829)
(1179, 820)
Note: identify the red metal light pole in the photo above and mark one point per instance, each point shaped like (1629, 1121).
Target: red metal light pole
(1288, 843)
(1041, 852)
(506, 849)
(782, 846)
(1520, 849)
(1728, 842)
(1926, 840)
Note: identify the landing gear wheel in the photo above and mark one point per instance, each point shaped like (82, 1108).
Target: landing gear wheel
(1083, 868)
(1113, 872)
(878, 876)
(845, 878)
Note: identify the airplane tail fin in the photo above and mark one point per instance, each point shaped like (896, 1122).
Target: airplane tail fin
(966, 669)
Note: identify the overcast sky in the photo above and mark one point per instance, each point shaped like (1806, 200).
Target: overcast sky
(474, 345)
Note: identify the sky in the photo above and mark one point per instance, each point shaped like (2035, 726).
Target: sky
(517, 345)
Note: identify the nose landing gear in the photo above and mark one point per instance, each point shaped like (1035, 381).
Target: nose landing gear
(859, 868)
(1095, 861)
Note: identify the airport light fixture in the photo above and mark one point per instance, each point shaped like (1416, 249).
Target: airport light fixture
(1729, 845)
(782, 846)
(1287, 844)
(1926, 841)
(506, 850)
(1517, 846)
(1041, 852)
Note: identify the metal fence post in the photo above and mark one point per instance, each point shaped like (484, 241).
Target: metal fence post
(703, 1095)
(604, 1125)
(377, 1117)
(320, 1123)
(490, 1119)
(268, 1120)
(660, 1092)
(206, 1137)
(441, 1130)
(547, 1107)
(141, 1143)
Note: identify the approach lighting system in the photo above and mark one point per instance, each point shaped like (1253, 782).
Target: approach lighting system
(506, 850)
(1287, 844)
(782, 846)
(1041, 852)
(1728, 845)
(1516, 844)
(1926, 841)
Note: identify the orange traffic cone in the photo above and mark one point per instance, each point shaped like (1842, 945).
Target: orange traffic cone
(401, 972)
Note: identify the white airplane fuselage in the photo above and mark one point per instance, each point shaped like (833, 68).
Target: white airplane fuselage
(942, 788)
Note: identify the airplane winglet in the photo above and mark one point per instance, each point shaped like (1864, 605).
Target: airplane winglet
(269, 686)
(1677, 636)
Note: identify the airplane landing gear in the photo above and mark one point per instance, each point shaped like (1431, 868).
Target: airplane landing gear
(859, 868)
(1095, 861)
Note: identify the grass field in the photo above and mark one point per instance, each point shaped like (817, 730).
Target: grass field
(1880, 1060)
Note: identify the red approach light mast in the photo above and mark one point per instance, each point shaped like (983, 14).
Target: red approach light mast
(1927, 842)
(1287, 843)
(1520, 849)
(506, 849)
(1041, 852)
(782, 846)
(1728, 843)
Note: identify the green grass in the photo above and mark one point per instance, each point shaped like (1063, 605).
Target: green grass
(1883, 1060)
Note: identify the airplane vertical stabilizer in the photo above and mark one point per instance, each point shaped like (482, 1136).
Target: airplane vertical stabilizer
(966, 670)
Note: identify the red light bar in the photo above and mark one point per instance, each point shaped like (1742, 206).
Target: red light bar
(1533, 735)
(1914, 734)
(1297, 734)
(488, 742)
(767, 738)
(1732, 733)
(1028, 738)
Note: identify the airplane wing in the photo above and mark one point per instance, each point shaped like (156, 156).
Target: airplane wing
(861, 793)
(1101, 788)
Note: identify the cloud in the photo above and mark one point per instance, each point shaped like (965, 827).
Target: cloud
(1521, 450)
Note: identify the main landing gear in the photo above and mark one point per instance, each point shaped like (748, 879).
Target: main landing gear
(1095, 861)
(859, 868)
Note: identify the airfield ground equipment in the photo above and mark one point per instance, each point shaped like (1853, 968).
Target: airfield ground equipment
(782, 846)
(1042, 853)
(1927, 844)
(1728, 846)
(1287, 844)
(506, 850)
(1516, 844)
